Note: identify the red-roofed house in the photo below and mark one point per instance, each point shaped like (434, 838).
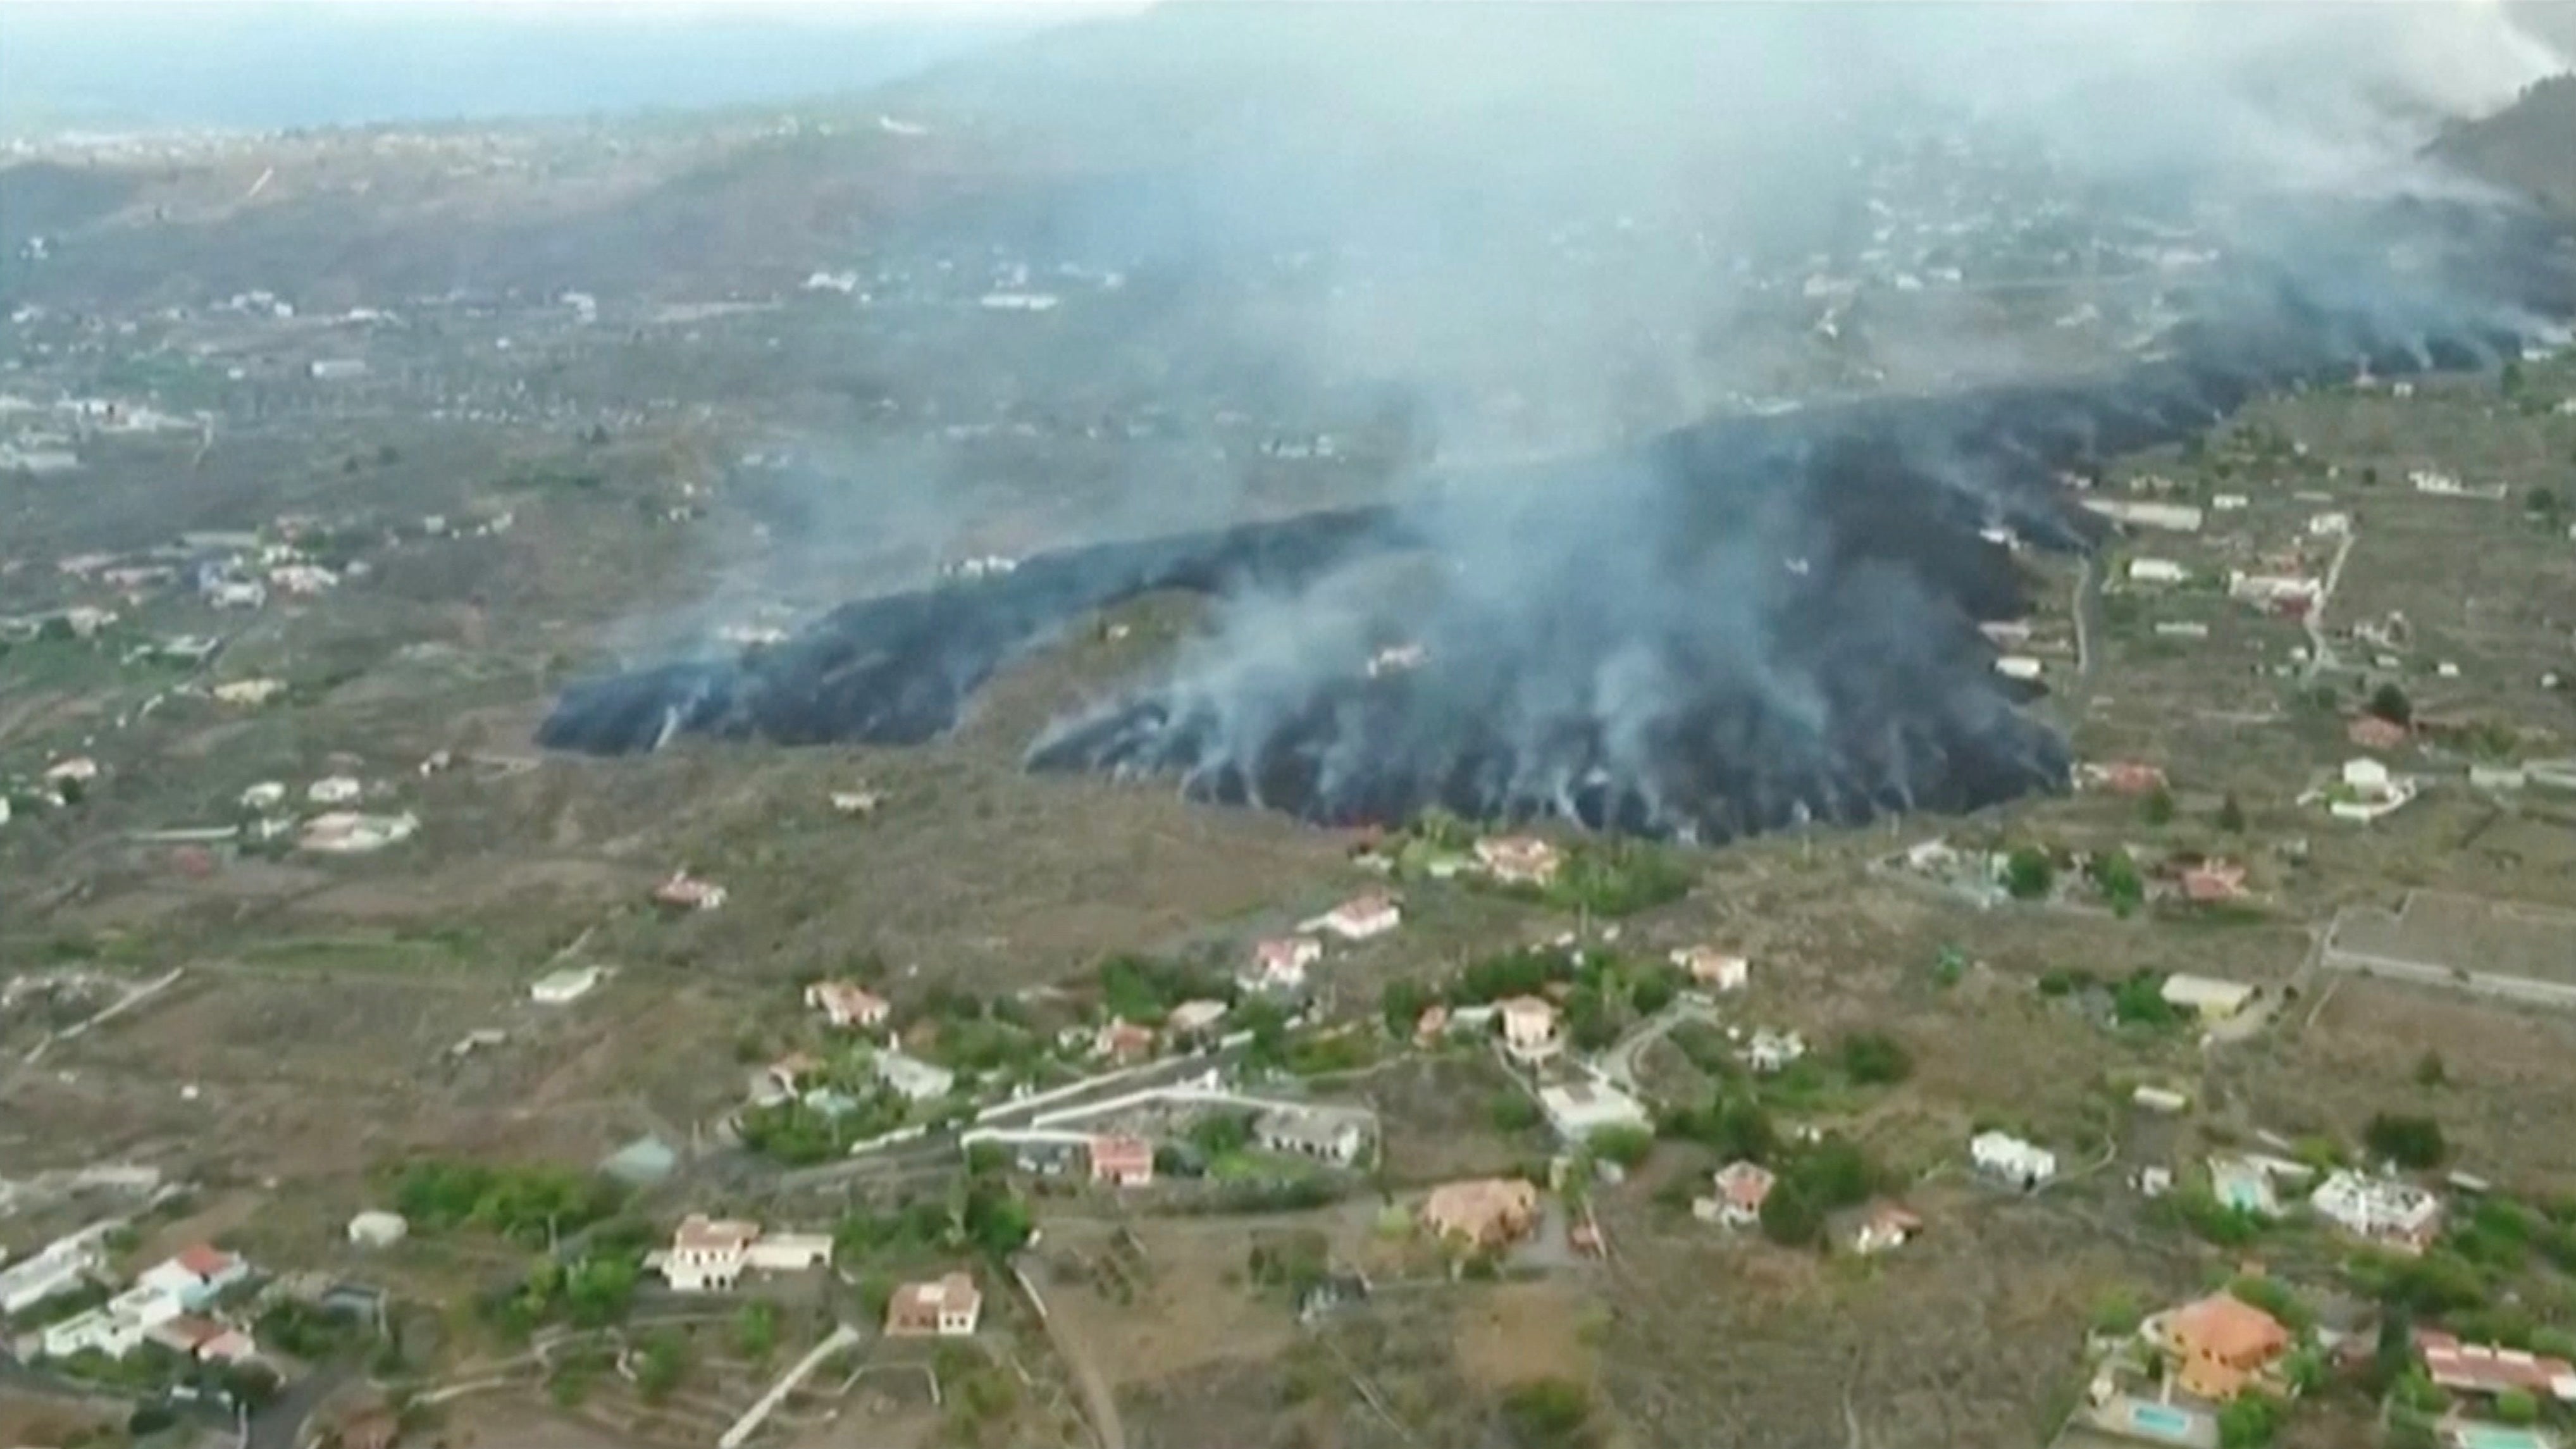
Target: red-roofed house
(1124, 1041)
(2484, 1369)
(1742, 1189)
(195, 1274)
(686, 892)
(2214, 880)
(948, 1308)
(2373, 733)
(1122, 1161)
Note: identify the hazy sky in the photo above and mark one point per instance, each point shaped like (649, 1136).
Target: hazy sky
(336, 62)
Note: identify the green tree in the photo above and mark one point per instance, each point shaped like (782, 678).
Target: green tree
(2159, 806)
(2391, 704)
(660, 1364)
(2509, 379)
(1790, 1217)
(1401, 1002)
(2543, 501)
(2248, 1421)
(2409, 1141)
(1626, 1146)
(755, 1330)
(2429, 1071)
(1653, 992)
(2116, 876)
(2517, 1407)
(2231, 815)
(2029, 874)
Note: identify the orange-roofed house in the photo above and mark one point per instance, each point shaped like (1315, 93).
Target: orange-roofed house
(2221, 1343)
(2373, 733)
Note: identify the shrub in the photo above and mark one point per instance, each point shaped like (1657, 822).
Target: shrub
(1626, 1146)
(2029, 874)
(1514, 1112)
(1876, 1059)
(1548, 1414)
(2408, 1141)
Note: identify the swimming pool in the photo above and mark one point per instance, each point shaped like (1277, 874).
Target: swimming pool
(2167, 1422)
(2496, 1436)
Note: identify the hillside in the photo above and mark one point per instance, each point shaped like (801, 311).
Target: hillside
(2530, 146)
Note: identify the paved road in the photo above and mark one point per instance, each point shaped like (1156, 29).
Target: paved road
(1619, 1064)
(2506, 988)
(2321, 655)
(280, 1423)
(841, 1337)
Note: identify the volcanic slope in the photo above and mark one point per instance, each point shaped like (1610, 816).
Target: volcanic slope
(1742, 625)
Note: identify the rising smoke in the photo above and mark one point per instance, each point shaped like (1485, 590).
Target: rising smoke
(1630, 592)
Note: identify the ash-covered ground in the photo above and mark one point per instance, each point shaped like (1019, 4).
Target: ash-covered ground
(1739, 626)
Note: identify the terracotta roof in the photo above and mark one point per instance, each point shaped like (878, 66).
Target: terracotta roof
(2484, 1368)
(701, 1234)
(2229, 1329)
(1121, 1155)
(204, 1259)
(1746, 1185)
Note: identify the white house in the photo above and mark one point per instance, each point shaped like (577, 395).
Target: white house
(1529, 1028)
(2156, 571)
(1360, 918)
(377, 1229)
(1519, 859)
(848, 1004)
(333, 790)
(707, 1255)
(2004, 1156)
(1773, 1051)
(2207, 996)
(1579, 1109)
(2368, 791)
(564, 986)
(59, 1267)
(2019, 666)
(1714, 969)
(914, 1079)
(789, 1252)
(2384, 1209)
(1279, 963)
(194, 1275)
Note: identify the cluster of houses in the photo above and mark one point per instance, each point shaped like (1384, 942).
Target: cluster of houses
(1280, 964)
(172, 1304)
(714, 1255)
(2167, 1384)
